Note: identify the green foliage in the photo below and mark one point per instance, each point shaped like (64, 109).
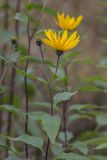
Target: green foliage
(37, 6)
(21, 17)
(51, 126)
(63, 96)
(31, 140)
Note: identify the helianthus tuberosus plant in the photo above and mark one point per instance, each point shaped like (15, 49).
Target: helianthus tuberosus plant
(35, 90)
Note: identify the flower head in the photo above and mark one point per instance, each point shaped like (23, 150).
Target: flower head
(61, 41)
(67, 22)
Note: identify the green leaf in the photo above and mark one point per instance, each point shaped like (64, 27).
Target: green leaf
(42, 104)
(97, 141)
(36, 116)
(79, 107)
(81, 146)
(101, 146)
(31, 140)
(9, 108)
(21, 17)
(89, 88)
(40, 7)
(62, 136)
(63, 96)
(60, 73)
(13, 57)
(12, 157)
(57, 148)
(51, 126)
(71, 156)
(31, 76)
(101, 119)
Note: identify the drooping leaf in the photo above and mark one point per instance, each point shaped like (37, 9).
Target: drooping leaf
(21, 17)
(31, 140)
(81, 146)
(63, 96)
(79, 107)
(51, 126)
(9, 108)
(101, 146)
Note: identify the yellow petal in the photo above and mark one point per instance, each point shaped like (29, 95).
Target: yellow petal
(49, 43)
(77, 22)
(64, 37)
(70, 39)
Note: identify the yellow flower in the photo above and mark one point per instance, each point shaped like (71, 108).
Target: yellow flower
(61, 41)
(67, 22)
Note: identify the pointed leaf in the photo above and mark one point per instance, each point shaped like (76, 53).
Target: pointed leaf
(51, 126)
(63, 96)
(31, 140)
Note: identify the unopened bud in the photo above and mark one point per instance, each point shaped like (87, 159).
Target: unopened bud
(38, 42)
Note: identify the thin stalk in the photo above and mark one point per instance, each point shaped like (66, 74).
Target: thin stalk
(64, 111)
(49, 86)
(30, 37)
(47, 150)
(57, 64)
(50, 92)
(26, 90)
(64, 121)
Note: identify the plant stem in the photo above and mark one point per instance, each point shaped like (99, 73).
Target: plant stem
(57, 64)
(26, 79)
(47, 150)
(49, 86)
(65, 110)
(64, 122)
(26, 91)
(50, 92)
